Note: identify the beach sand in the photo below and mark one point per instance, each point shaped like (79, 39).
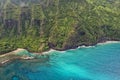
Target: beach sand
(13, 55)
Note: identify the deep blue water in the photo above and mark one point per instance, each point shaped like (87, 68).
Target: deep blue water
(101, 62)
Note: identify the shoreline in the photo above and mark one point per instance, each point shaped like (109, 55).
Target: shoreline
(13, 52)
(10, 56)
(16, 55)
(89, 45)
(101, 43)
(81, 46)
(108, 42)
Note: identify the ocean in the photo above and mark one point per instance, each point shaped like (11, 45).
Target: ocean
(100, 62)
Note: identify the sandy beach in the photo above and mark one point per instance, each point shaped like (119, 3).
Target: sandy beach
(13, 55)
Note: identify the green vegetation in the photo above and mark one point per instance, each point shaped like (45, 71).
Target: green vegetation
(60, 24)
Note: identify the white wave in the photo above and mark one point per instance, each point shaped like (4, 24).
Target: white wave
(47, 52)
(85, 46)
(108, 42)
(62, 51)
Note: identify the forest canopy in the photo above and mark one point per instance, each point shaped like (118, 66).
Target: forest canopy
(38, 25)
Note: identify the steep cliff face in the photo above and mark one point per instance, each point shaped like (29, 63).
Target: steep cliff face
(38, 25)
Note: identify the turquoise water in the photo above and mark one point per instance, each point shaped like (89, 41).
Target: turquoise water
(101, 62)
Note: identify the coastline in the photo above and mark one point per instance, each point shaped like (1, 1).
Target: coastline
(45, 52)
(16, 54)
(13, 52)
(101, 43)
(8, 57)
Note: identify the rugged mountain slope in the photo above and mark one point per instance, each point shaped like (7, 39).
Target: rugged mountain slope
(38, 25)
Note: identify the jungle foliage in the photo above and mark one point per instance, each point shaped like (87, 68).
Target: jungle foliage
(38, 25)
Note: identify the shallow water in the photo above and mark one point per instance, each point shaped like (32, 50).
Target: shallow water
(101, 62)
